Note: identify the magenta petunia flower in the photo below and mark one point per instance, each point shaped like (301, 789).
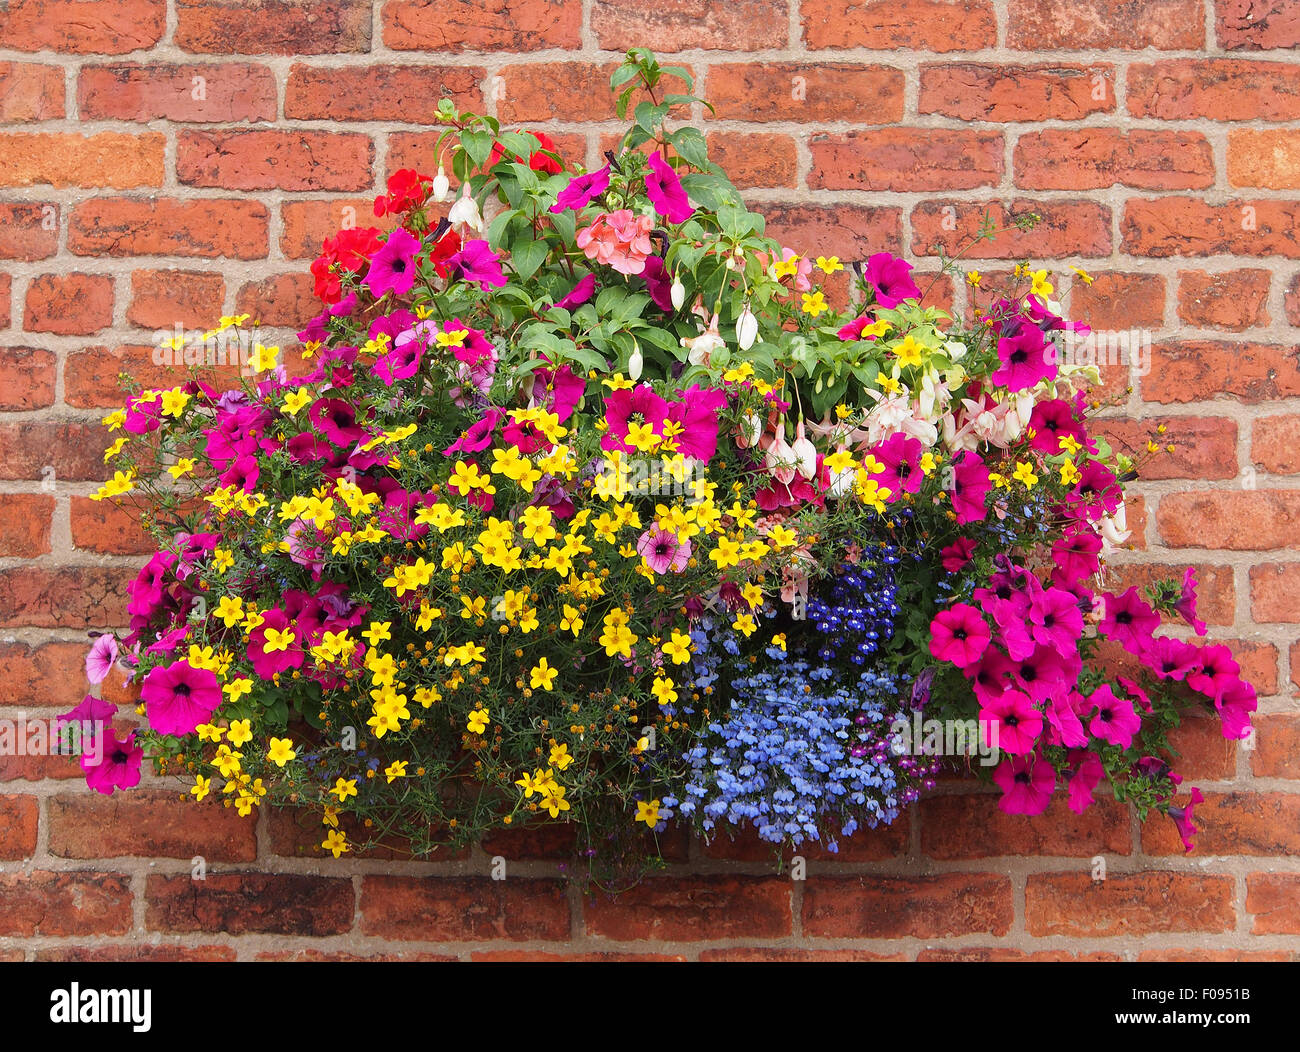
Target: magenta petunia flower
(658, 283)
(1098, 490)
(1088, 772)
(1186, 605)
(90, 710)
(891, 279)
(1075, 556)
(697, 414)
(1011, 722)
(1218, 671)
(662, 550)
(664, 189)
(336, 420)
(582, 190)
(1135, 692)
(477, 262)
(270, 655)
(1053, 420)
(99, 661)
(957, 555)
(959, 635)
(401, 362)
(178, 697)
(1129, 620)
(1024, 356)
(1182, 817)
(853, 330)
(1055, 620)
(117, 763)
(637, 405)
(579, 294)
(1235, 704)
(1115, 720)
(1171, 658)
(1065, 727)
(971, 487)
(559, 390)
(392, 268)
(901, 456)
(478, 436)
(1027, 784)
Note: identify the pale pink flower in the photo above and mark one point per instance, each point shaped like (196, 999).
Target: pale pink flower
(618, 239)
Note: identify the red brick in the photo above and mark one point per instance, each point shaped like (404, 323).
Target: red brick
(107, 528)
(1192, 370)
(1251, 25)
(1253, 823)
(22, 767)
(242, 903)
(30, 92)
(135, 91)
(1186, 226)
(1204, 447)
(562, 91)
(1292, 302)
(74, 451)
(409, 94)
(1214, 956)
(283, 300)
(755, 160)
(306, 224)
(133, 952)
(1275, 444)
(106, 27)
(161, 299)
(773, 955)
(906, 159)
(596, 957)
(1127, 904)
(25, 525)
(18, 817)
(49, 674)
(972, 91)
(116, 159)
(298, 833)
(885, 907)
(28, 230)
(1170, 25)
(973, 826)
(884, 25)
(149, 824)
(1068, 228)
(549, 843)
(1095, 158)
(806, 92)
(463, 909)
(26, 378)
(688, 909)
(1117, 302)
(1266, 158)
(982, 954)
(280, 159)
(1233, 300)
(82, 903)
(1218, 89)
(69, 304)
(1135, 511)
(848, 231)
(205, 227)
(1199, 749)
(273, 27)
(1245, 520)
(92, 378)
(1277, 746)
(490, 25)
(1216, 596)
(1273, 591)
(68, 597)
(865, 845)
(1258, 661)
(681, 25)
(1273, 900)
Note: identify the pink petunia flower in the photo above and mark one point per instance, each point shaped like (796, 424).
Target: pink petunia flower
(392, 268)
(1011, 722)
(662, 550)
(637, 405)
(959, 635)
(582, 190)
(1186, 605)
(178, 697)
(1027, 784)
(970, 489)
(1129, 620)
(117, 763)
(99, 661)
(1088, 772)
(477, 262)
(891, 279)
(1023, 355)
(1182, 817)
(664, 189)
(1115, 720)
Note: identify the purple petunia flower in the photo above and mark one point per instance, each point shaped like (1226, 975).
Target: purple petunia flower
(477, 262)
(582, 190)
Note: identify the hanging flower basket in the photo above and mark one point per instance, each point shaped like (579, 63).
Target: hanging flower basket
(587, 506)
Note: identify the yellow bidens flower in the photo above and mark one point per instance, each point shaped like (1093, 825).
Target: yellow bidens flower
(343, 788)
(1025, 473)
(202, 786)
(678, 648)
(336, 842)
(183, 466)
(121, 482)
(395, 770)
(281, 751)
(648, 812)
(829, 264)
(542, 676)
(239, 732)
(478, 721)
(814, 303)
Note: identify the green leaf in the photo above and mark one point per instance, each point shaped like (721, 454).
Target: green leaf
(689, 142)
(478, 145)
(527, 256)
(497, 228)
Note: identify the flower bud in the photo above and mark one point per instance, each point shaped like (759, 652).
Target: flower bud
(678, 293)
(635, 364)
(441, 185)
(746, 329)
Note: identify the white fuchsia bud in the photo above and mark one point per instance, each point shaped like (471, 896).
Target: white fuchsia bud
(441, 185)
(746, 329)
(678, 293)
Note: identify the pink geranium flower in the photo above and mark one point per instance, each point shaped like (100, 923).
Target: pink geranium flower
(178, 697)
(959, 635)
(1027, 784)
(618, 239)
(662, 550)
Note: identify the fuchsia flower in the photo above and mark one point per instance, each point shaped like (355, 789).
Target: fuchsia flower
(1182, 817)
(178, 697)
(1011, 722)
(118, 766)
(662, 550)
(664, 189)
(1027, 784)
(1115, 720)
(1129, 620)
(959, 635)
(618, 239)
(582, 190)
(891, 279)
(1186, 605)
(392, 268)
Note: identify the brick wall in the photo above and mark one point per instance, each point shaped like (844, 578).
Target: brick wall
(166, 161)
